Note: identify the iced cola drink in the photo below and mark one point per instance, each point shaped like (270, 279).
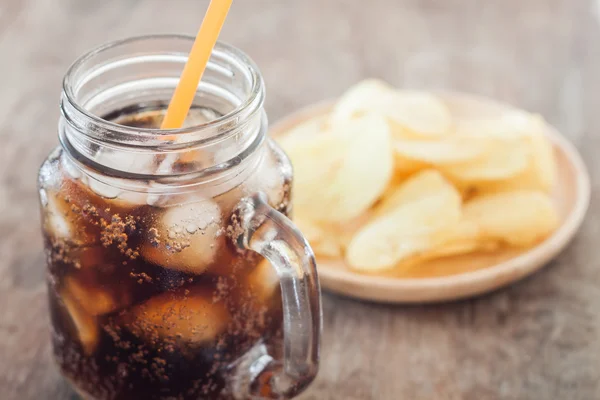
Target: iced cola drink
(157, 286)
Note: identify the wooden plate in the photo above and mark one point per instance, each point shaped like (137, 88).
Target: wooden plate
(468, 275)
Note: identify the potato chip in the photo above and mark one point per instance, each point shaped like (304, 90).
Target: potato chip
(540, 173)
(405, 166)
(312, 232)
(322, 242)
(506, 127)
(341, 174)
(327, 248)
(410, 230)
(345, 231)
(543, 165)
(381, 180)
(304, 131)
(359, 99)
(519, 218)
(397, 179)
(451, 249)
(425, 183)
(317, 162)
(330, 239)
(411, 112)
(462, 238)
(506, 160)
(450, 150)
(543, 159)
(415, 113)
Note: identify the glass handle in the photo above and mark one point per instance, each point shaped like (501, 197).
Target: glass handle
(275, 237)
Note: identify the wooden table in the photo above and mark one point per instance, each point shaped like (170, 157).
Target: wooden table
(539, 339)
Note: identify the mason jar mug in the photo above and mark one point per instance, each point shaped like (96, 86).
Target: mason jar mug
(174, 271)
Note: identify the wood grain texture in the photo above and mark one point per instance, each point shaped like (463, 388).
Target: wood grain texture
(535, 340)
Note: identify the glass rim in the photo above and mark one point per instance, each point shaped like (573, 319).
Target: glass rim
(254, 99)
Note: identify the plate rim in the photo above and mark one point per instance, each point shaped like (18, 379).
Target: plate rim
(514, 268)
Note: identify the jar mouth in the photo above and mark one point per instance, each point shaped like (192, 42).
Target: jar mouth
(217, 129)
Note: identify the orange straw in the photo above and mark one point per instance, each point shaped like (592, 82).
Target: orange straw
(184, 95)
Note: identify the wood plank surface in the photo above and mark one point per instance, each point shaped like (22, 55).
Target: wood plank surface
(539, 339)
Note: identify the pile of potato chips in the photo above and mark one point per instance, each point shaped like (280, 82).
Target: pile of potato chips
(391, 177)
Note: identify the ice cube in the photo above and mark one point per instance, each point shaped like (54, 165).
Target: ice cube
(56, 221)
(116, 198)
(85, 325)
(257, 300)
(62, 216)
(123, 161)
(189, 316)
(186, 238)
(175, 161)
(263, 281)
(167, 165)
(199, 116)
(273, 177)
(162, 195)
(94, 297)
(103, 190)
(112, 189)
(269, 177)
(188, 161)
(71, 169)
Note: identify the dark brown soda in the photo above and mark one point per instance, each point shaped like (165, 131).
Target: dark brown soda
(123, 326)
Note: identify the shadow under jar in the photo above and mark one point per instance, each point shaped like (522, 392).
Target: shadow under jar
(173, 269)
